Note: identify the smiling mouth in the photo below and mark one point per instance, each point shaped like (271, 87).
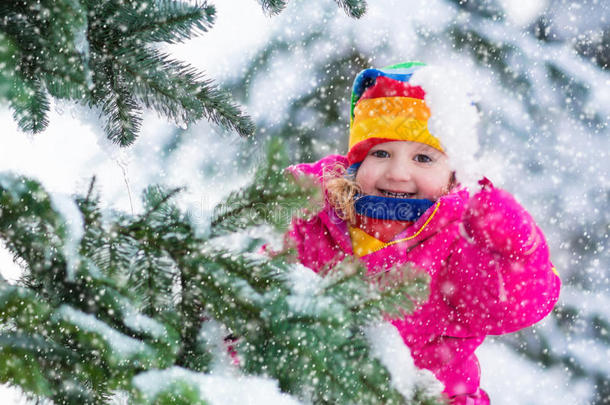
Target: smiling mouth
(397, 195)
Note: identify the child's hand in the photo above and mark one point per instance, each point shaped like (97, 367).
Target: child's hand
(495, 220)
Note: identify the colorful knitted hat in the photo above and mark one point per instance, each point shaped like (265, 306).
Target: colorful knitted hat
(386, 107)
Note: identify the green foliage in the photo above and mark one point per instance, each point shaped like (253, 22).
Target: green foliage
(314, 344)
(100, 53)
(353, 8)
(273, 6)
(272, 198)
(138, 292)
(103, 54)
(177, 393)
(165, 20)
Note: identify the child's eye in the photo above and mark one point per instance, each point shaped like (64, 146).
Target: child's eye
(421, 158)
(380, 154)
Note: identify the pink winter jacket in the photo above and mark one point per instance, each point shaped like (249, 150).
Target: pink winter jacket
(489, 267)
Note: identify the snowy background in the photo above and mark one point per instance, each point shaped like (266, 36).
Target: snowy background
(544, 138)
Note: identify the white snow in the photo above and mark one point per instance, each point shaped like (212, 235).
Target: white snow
(217, 390)
(212, 333)
(75, 223)
(143, 324)
(121, 344)
(304, 281)
(522, 13)
(387, 345)
(9, 270)
(13, 395)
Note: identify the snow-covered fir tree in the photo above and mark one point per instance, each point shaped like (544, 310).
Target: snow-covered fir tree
(146, 307)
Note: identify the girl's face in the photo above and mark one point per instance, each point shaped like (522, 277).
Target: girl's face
(404, 169)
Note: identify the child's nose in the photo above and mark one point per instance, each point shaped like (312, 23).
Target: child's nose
(398, 172)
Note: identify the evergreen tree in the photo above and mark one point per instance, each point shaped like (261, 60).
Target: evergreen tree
(103, 54)
(123, 303)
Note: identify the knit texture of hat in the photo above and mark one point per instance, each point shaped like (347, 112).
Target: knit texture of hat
(386, 107)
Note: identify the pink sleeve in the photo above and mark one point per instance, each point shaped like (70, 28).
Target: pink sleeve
(314, 243)
(317, 169)
(310, 236)
(499, 278)
(495, 220)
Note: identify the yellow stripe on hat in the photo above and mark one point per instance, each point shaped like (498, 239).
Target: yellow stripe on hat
(396, 118)
(394, 128)
(392, 106)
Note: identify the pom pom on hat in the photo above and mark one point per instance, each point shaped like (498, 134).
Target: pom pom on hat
(413, 102)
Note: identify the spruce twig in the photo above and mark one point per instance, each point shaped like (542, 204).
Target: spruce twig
(353, 8)
(167, 21)
(272, 7)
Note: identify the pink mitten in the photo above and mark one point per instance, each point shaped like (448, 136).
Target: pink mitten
(495, 220)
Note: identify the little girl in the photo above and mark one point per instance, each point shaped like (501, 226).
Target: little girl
(396, 198)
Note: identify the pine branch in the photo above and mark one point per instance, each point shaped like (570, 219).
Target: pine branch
(273, 197)
(79, 56)
(353, 8)
(239, 211)
(124, 117)
(89, 197)
(108, 250)
(180, 92)
(260, 273)
(30, 107)
(58, 58)
(155, 200)
(309, 328)
(31, 228)
(19, 362)
(152, 276)
(97, 53)
(64, 28)
(166, 21)
(273, 7)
